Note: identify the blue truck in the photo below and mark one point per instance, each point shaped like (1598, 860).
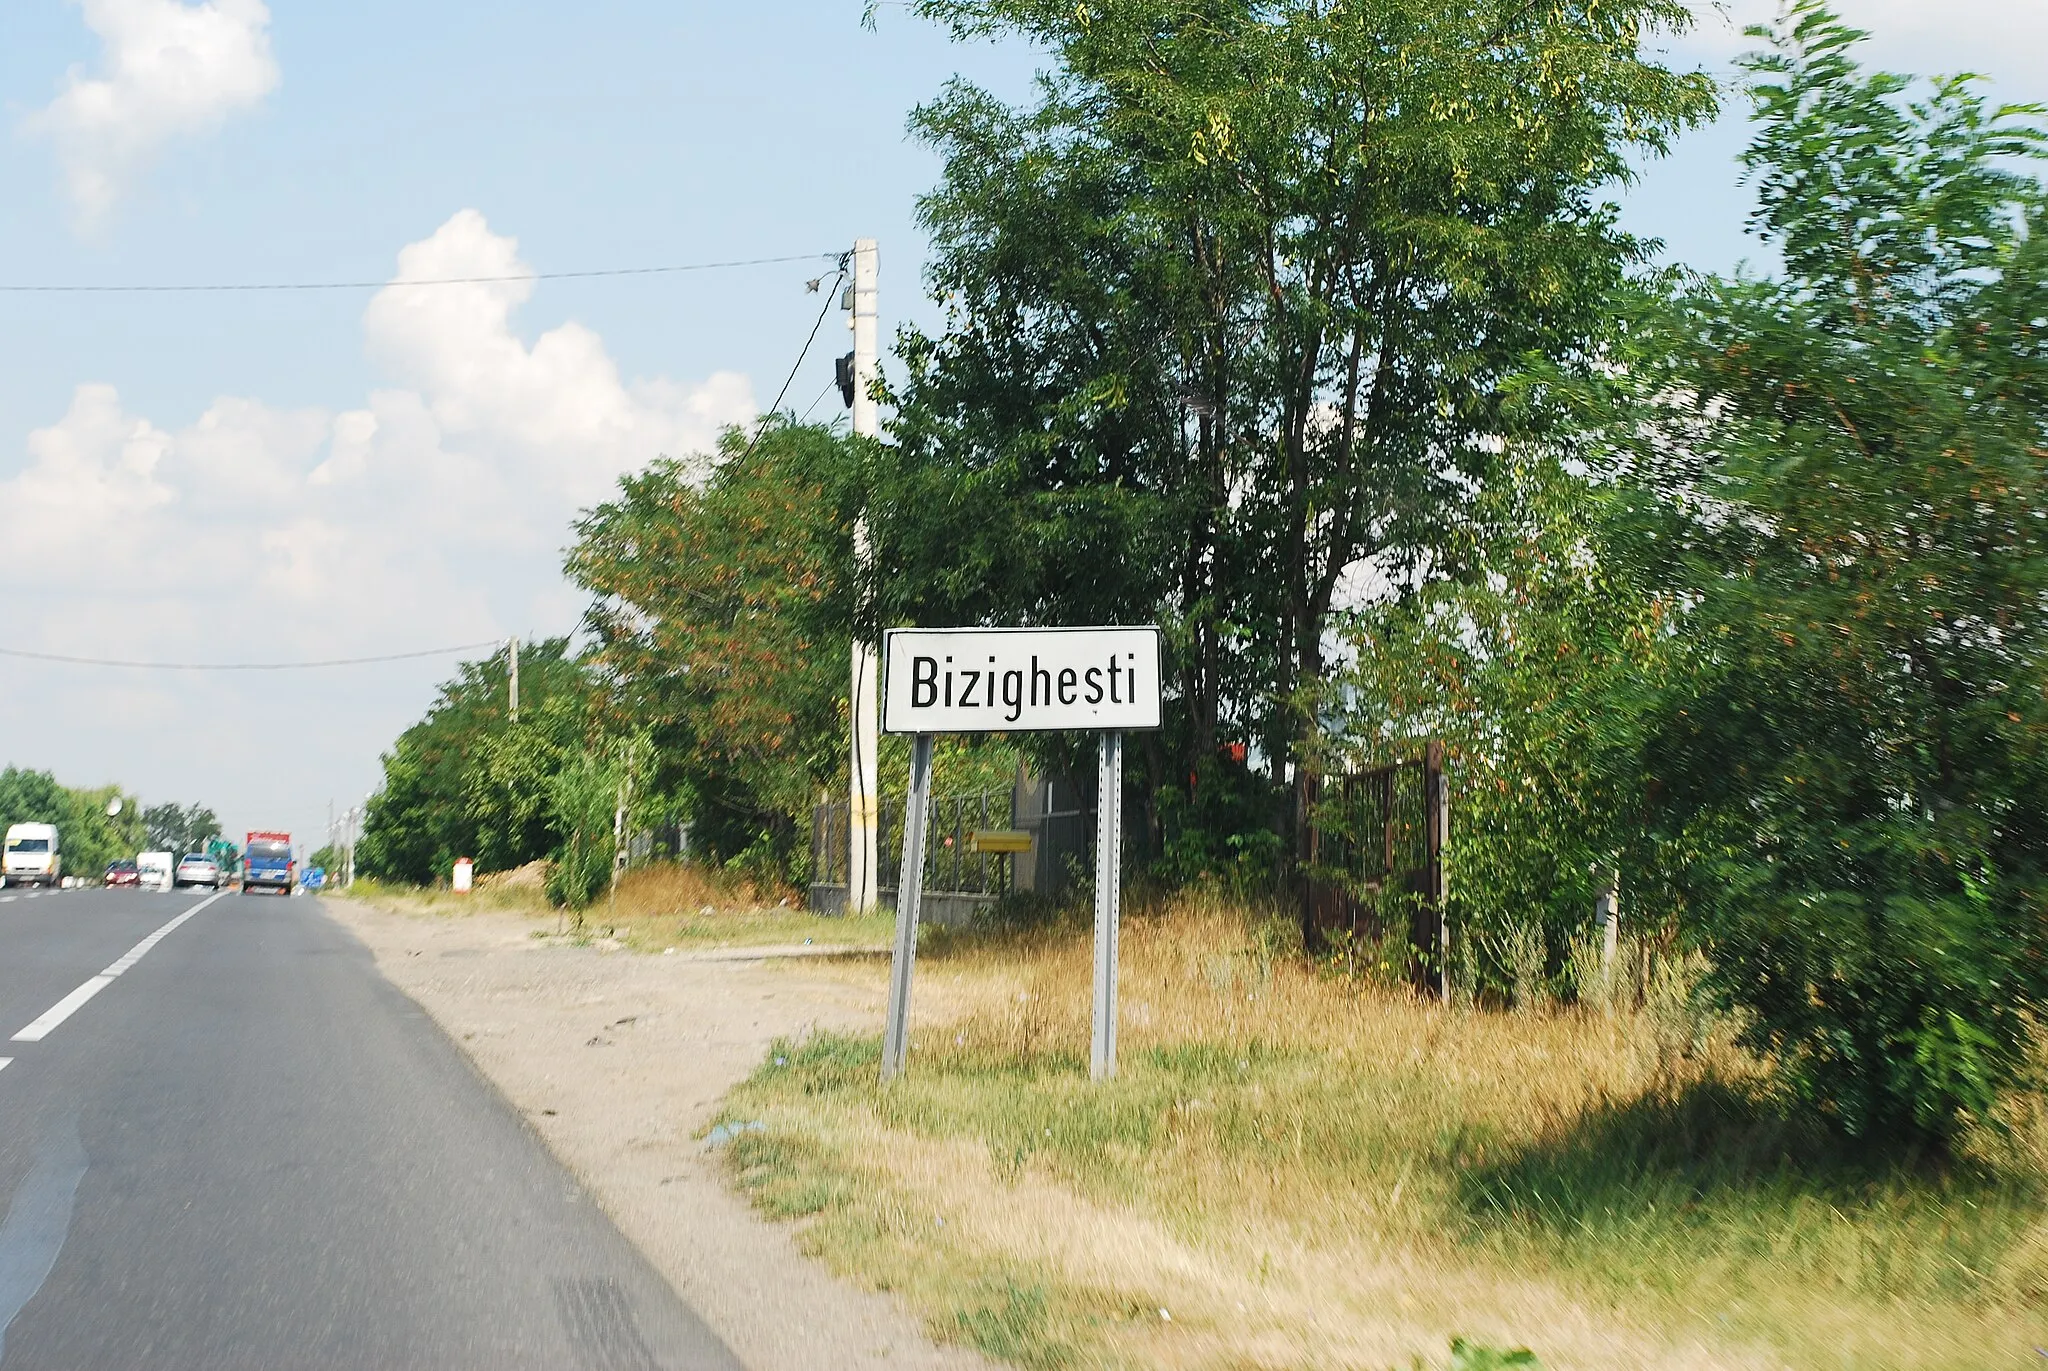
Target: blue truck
(267, 863)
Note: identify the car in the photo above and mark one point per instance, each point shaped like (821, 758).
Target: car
(35, 855)
(197, 869)
(124, 874)
(156, 868)
(267, 862)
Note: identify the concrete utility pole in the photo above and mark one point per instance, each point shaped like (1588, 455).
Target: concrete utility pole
(1607, 918)
(619, 838)
(512, 669)
(862, 867)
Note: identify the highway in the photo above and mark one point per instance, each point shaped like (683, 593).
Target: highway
(227, 1142)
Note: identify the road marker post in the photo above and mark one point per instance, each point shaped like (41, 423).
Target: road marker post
(1017, 680)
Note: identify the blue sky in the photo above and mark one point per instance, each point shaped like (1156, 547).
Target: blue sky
(220, 477)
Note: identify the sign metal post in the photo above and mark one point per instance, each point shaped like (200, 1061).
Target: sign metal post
(909, 896)
(1109, 870)
(1018, 680)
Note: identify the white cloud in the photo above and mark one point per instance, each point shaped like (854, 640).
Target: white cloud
(2006, 40)
(433, 511)
(167, 70)
(557, 410)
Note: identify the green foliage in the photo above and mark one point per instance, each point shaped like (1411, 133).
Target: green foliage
(581, 797)
(31, 797)
(723, 614)
(466, 781)
(1536, 675)
(180, 829)
(1467, 1356)
(1231, 310)
(90, 836)
(93, 838)
(1838, 476)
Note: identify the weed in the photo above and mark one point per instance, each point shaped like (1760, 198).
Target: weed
(1467, 1356)
(664, 905)
(1010, 1323)
(1288, 1158)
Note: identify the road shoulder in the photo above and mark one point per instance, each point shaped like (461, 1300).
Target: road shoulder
(617, 1060)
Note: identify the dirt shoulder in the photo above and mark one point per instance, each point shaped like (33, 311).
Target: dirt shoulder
(617, 1060)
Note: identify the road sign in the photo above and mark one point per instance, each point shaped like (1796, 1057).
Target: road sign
(1020, 680)
(1017, 680)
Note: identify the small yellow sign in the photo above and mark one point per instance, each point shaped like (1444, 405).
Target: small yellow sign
(999, 840)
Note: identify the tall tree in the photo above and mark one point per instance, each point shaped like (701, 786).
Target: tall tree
(179, 829)
(1230, 313)
(465, 781)
(1841, 475)
(723, 611)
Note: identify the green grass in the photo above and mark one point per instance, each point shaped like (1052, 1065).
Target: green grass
(1277, 1141)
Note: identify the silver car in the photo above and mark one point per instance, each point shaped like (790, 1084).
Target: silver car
(197, 869)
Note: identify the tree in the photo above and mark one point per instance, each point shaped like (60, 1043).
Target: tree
(1839, 475)
(723, 612)
(1232, 311)
(180, 829)
(584, 796)
(1537, 674)
(91, 838)
(466, 781)
(31, 797)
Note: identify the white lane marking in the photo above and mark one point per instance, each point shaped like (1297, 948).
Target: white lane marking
(8, 899)
(6, 1062)
(62, 1010)
(69, 1005)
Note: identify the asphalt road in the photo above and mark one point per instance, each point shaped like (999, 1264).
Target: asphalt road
(246, 1150)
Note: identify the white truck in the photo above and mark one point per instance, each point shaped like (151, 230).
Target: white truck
(34, 856)
(155, 870)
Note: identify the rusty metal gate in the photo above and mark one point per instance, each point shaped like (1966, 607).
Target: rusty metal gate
(1373, 866)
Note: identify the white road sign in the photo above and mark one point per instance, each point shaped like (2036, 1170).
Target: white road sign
(1020, 680)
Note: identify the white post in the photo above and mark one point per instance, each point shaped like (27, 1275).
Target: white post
(618, 845)
(1109, 842)
(1607, 914)
(512, 667)
(909, 895)
(1440, 816)
(863, 864)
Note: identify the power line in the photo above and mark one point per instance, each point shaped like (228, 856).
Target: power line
(816, 324)
(248, 666)
(430, 281)
(829, 385)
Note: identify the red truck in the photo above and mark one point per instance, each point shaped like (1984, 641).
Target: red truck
(267, 862)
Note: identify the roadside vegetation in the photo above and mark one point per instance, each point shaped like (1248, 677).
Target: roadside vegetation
(1308, 333)
(1296, 1166)
(92, 837)
(661, 906)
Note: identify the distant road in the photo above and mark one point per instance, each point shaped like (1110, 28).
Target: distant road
(237, 1147)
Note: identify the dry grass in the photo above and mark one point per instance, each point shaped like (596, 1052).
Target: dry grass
(1304, 1171)
(660, 906)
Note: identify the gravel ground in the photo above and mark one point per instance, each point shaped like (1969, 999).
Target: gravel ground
(616, 1060)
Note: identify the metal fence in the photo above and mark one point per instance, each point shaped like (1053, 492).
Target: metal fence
(1374, 870)
(960, 881)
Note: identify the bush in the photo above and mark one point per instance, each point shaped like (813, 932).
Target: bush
(1837, 478)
